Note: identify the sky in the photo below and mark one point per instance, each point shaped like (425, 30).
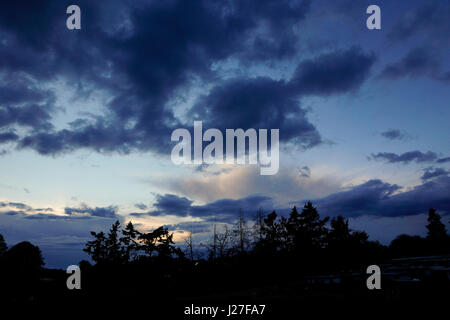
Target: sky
(86, 116)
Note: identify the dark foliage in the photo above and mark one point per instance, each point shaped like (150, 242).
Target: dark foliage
(20, 271)
(271, 256)
(3, 246)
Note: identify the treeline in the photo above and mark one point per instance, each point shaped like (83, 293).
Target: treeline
(266, 252)
(300, 237)
(437, 240)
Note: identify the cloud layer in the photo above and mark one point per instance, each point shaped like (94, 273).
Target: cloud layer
(407, 157)
(148, 56)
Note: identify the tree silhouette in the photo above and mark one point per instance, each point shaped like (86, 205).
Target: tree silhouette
(407, 246)
(97, 248)
(241, 235)
(23, 264)
(272, 233)
(189, 246)
(117, 251)
(223, 242)
(116, 247)
(25, 257)
(158, 242)
(3, 246)
(219, 246)
(437, 234)
(258, 226)
(120, 246)
(306, 230)
(347, 246)
(291, 249)
(211, 247)
(130, 242)
(436, 229)
(292, 225)
(285, 249)
(340, 232)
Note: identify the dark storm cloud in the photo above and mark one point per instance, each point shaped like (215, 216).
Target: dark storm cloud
(171, 204)
(428, 22)
(422, 61)
(81, 212)
(141, 206)
(46, 216)
(17, 205)
(34, 116)
(443, 160)
(104, 212)
(358, 200)
(16, 90)
(157, 50)
(266, 103)
(168, 204)
(26, 212)
(278, 18)
(38, 43)
(144, 55)
(374, 198)
(336, 72)
(393, 134)
(434, 172)
(190, 35)
(227, 210)
(257, 103)
(22, 103)
(195, 227)
(429, 19)
(222, 210)
(101, 136)
(407, 157)
(44, 210)
(378, 198)
(14, 212)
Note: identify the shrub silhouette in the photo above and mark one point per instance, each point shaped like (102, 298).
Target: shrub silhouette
(3, 246)
(22, 265)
